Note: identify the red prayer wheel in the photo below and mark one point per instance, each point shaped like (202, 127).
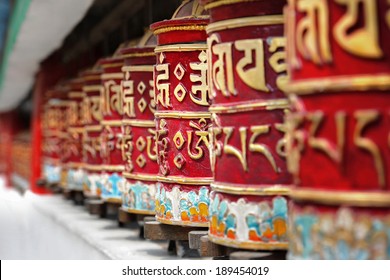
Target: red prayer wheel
(248, 77)
(75, 129)
(92, 138)
(182, 117)
(112, 180)
(339, 61)
(54, 134)
(138, 128)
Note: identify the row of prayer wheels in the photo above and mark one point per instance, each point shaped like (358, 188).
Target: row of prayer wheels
(266, 121)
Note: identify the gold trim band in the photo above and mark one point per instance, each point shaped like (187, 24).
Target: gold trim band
(185, 180)
(75, 165)
(75, 129)
(136, 211)
(139, 123)
(360, 83)
(111, 122)
(179, 28)
(181, 223)
(258, 190)
(93, 167)
(113, 168)
(249, 245)
(107, 76)
(183, 115)
(93, 128)
(110, 65)
(181, 48)
(360, 199)
(138, 68)
(267, 105)
(112, 200)
(92, 77)
(215, 4)
(130, 55)
(139, 176)
(244, 22)
(76, 94)
(92, 88)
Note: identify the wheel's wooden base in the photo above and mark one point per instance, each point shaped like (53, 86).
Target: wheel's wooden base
(199, 240)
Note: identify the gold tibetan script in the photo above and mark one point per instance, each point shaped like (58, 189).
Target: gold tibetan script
(201, 131)
(253, 76)
(312, 31)
(222, 68)
(111, 97)
(162, 84)
(362, 41)
(128, 95)
(151, 148)
(200, 92)
(96, 111)
(278, 61)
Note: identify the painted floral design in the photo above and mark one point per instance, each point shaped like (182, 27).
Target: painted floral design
(112, 185)
(52, 173)
(139, 196)
(177, 205)
(343, 235)
(244, 221)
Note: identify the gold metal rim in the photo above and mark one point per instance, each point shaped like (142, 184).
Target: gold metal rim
(360, 83)
(215, 4)
(181, 223)
(113, 200)
(111, 122)
(267, 105)
(360, 199)
(248, 244)
(244, 22)
(113, 168)
(93, 128)
(138, 68)
(136, 211)
(185, 180)
(110, 65)
(75, 165)
(76, 94)
(92, 88)
(257, 190)
(107, 76)
(91, 77)
(130, 55)
(139, 123)
(183, 115)
(179, 28)
(139, 176)
(93, 167)
(181, 48)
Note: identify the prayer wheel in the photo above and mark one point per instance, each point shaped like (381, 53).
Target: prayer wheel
(339, 149)
(92, 138)
(138, 128)
(112, 180)
(182, 117)
(249, 202)
(73, 179)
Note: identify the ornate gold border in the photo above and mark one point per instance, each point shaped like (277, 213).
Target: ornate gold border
(113, 168)
(138, 54)
(181, 48)
(76, 94)
(257, 190)
(273, 104)
(140, 212)
(244, 22)
(139, 68)
(112, 200)
(93, 128)
(215, 4)
(181, 223)
(111, 122)
(359, 199)
(139, 123)
(91, 77)
(92, 88)
(183, 115)
(118, 75)
(105, 66)
(139, 176)
(360, 83)
(185, 180)
(179, 28)
(248, 244)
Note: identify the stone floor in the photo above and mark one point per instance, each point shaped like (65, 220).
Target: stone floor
(50, 227)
